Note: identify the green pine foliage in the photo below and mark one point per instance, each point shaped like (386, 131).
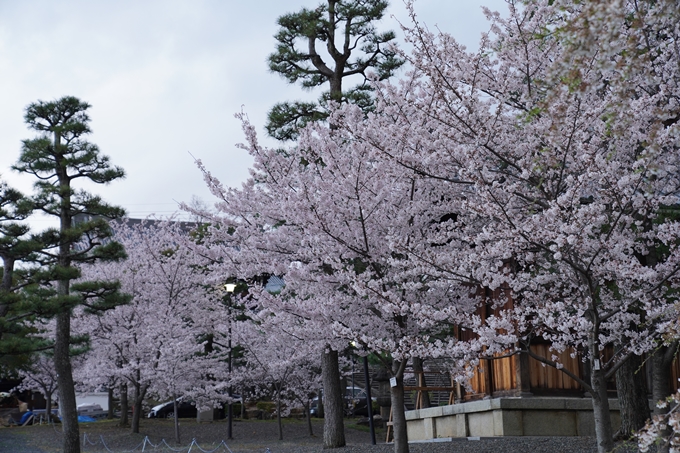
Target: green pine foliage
(16, 246)
(353, 46)
(57, 157)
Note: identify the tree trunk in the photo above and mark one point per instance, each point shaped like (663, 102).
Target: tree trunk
(662, 359)
(369, 400)
(420, 379)
(124, 407)
(398, 412)
(140, 393)
(278, 416)
(176, 418)
(62, 365)
(631, 388)
(333, 423)
(48, 407)
(6, 285)
(109, 413)
(310, 430)
(603, 423)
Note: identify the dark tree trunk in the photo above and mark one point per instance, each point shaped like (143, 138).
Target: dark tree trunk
(278, 416)
(6, 285)
(418, 368)
(124, 406)
(631, 387)
(109, 413)
(398, 412)
(333, 423)
(140, 393)
(62, 365)
(48, 407)
(175, 418)
(662, 359)
(308, 416)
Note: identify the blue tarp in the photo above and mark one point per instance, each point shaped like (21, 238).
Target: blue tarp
(25, 417)
(85, 419)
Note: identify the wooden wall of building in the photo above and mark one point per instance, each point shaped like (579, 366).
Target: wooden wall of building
(520, 374)
(546, 379)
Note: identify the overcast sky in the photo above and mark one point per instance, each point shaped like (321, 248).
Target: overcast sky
(164, 78)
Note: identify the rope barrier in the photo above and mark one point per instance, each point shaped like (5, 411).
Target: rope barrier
(193, 442)
(163, 443)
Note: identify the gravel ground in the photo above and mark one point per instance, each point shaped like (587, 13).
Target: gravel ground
(262, 436)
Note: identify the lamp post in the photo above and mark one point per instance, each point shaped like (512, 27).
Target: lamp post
(369, 400)
(230, 287)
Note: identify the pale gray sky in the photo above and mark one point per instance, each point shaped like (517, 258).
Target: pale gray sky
(164, 78)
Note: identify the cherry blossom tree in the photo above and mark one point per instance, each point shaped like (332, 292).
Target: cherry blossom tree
(333, 219)
(642, 38)
(41, 376)
(155, 344)
(568, 193)
(663, 430)
(278, 362)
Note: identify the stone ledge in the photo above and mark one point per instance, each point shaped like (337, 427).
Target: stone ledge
(507, 416)
(509, 403)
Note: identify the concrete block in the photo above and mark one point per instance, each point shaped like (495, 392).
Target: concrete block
(481, 424)
(430, 428)
(462, 427)
(585, 423)
(477, 406)
(447, 426)
(550, 423)
(508, 423)
(415, 430)
(578, 404)
(436, 411)
(508, 416)
(497, 422)
(450, 409)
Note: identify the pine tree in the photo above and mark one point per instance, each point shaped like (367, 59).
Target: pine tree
(353, 47)
(15, 246)
(57, 157)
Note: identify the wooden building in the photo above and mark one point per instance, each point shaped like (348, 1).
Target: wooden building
(522, 375)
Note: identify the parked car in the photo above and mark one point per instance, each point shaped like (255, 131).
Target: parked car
(92, 410)
(185, 409)
(354, 400)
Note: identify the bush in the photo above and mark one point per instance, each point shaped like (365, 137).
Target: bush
(266, 406)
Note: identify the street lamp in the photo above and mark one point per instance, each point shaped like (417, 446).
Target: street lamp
(369, 400)
(230, 287)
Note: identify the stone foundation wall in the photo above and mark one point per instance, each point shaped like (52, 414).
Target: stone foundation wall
(532, 416)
